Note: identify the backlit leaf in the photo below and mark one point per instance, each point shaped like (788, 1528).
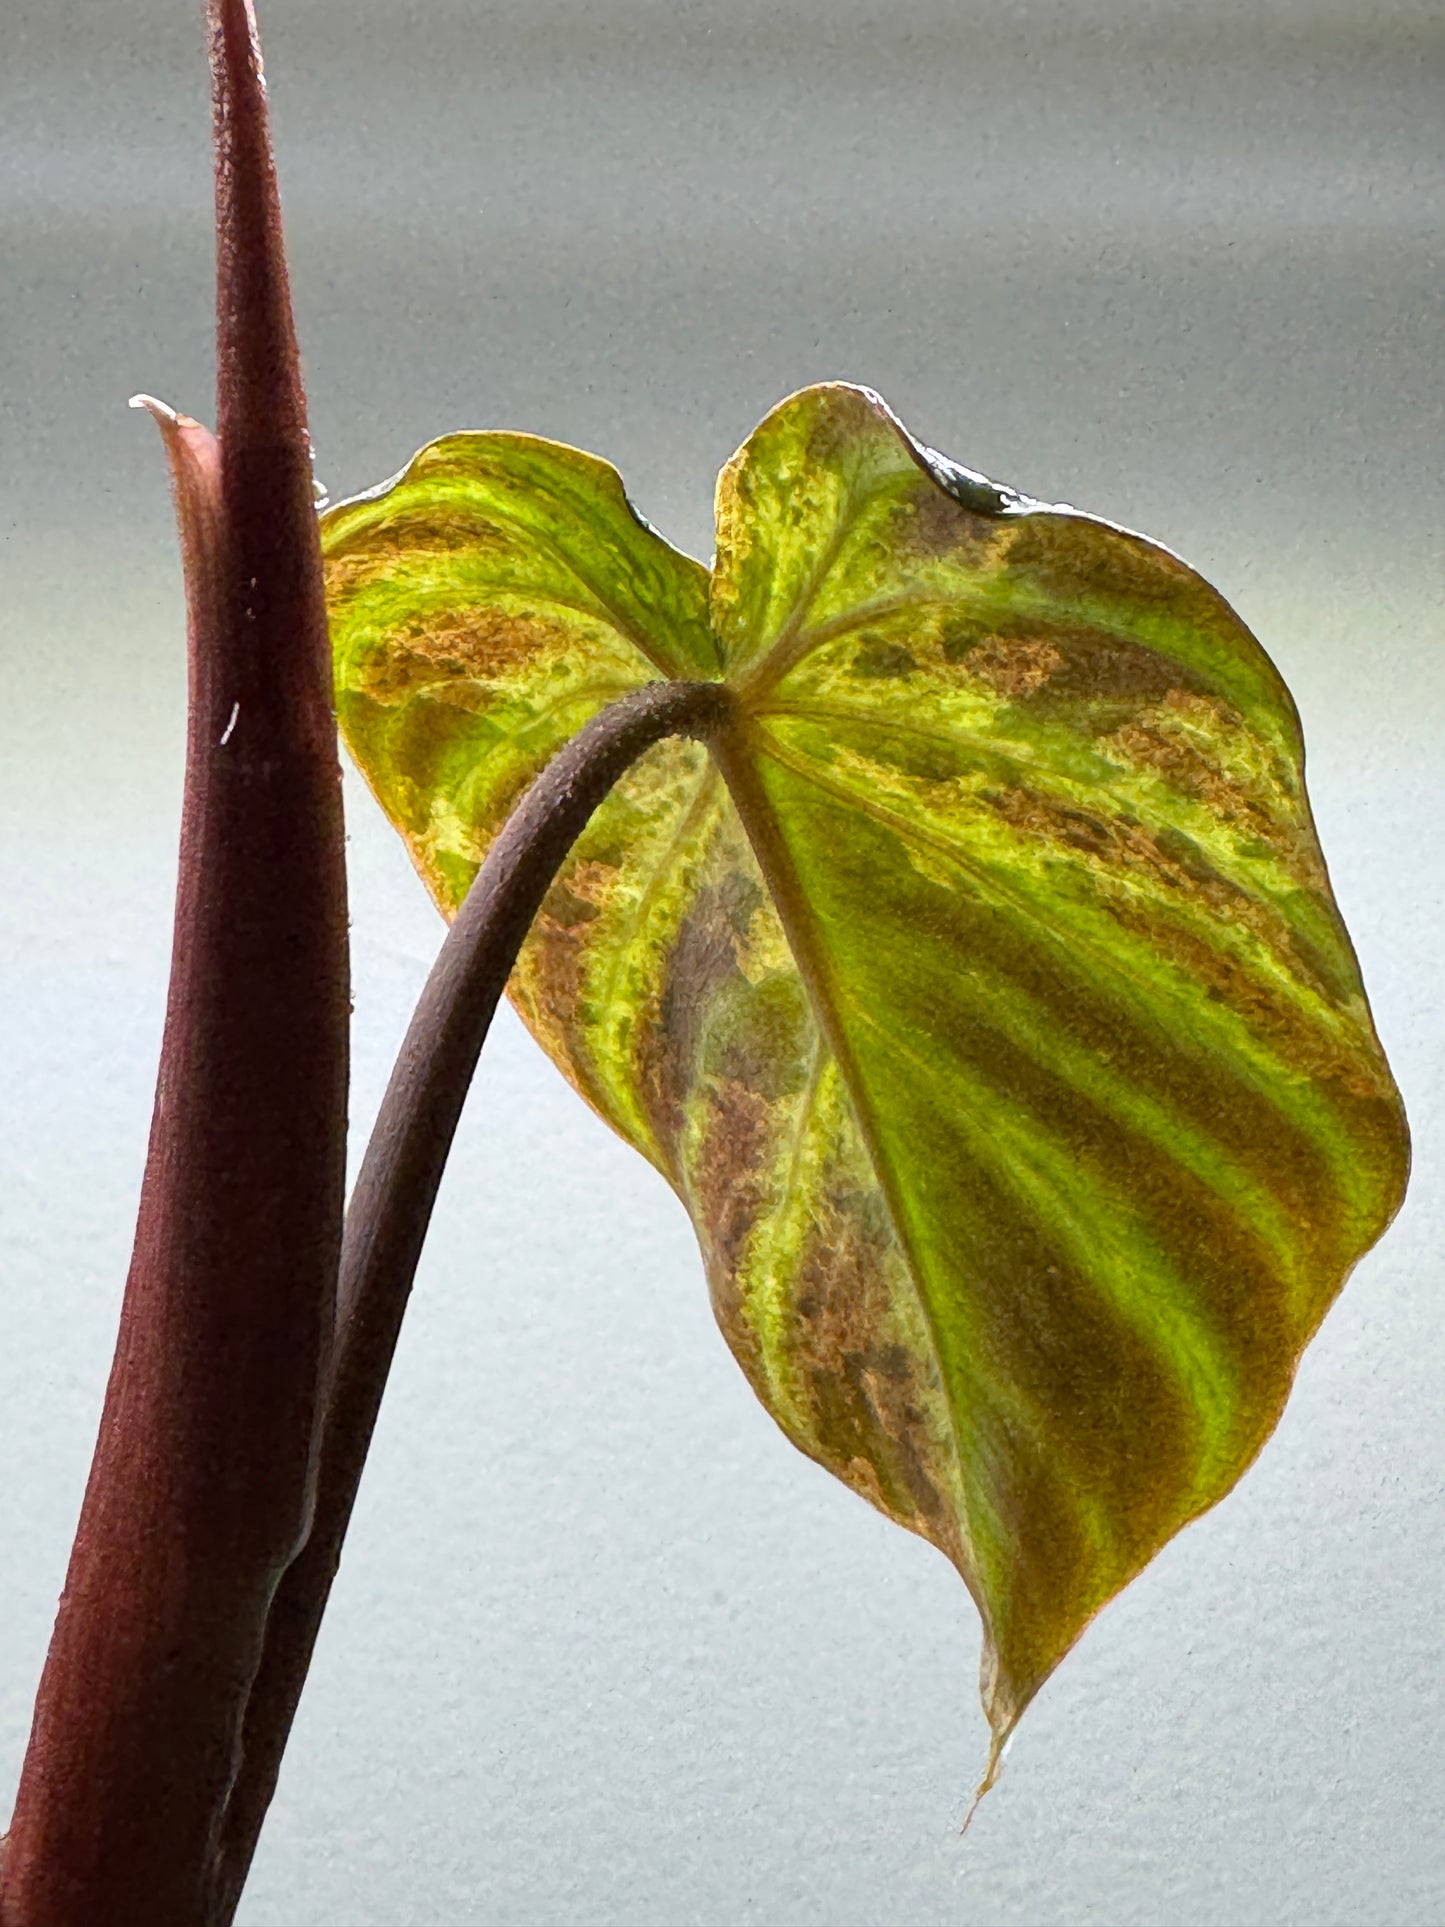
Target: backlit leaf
(982, 994)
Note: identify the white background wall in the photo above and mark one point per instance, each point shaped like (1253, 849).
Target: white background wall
(605, 1649)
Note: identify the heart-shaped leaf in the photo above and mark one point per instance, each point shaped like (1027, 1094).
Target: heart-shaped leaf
(981, 993)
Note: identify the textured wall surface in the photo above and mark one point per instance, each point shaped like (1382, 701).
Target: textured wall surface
(606, 1650)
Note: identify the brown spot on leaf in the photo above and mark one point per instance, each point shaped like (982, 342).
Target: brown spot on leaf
(382, 549)
(546, 988)
(1162, 855)
(1182, 764)
(1012, 666)
(587, 884)
(492, 644)
(554, 966)
(479, 646)
(929, 525)
(703, 961)
(841, 418)
(1161, 740)
(1314, 1050)
(765, 1037)
(865, 1388)
(1079, 664)
(1068, 556)
(1100, 667)
(727, 1194)
(549, 981)
(572, 909)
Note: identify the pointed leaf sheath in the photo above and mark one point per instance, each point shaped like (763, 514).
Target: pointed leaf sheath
(200, 1488)
(982, 995)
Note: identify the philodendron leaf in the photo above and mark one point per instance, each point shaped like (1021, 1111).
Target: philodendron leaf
(981, 994)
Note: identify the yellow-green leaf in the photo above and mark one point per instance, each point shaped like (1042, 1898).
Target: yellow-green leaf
(982, 994)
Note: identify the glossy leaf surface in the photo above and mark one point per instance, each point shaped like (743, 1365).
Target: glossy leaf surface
(981, 995)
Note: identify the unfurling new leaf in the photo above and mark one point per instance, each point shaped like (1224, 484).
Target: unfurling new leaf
(981, 992)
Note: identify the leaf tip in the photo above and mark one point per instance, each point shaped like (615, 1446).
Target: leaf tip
(159, 411)
(194, 458)
(997, 1753)
(183, 435)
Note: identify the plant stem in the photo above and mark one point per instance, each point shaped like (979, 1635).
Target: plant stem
(392, 1204)
(201, 1484)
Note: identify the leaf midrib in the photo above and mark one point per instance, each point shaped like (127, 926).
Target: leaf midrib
(736, 758)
